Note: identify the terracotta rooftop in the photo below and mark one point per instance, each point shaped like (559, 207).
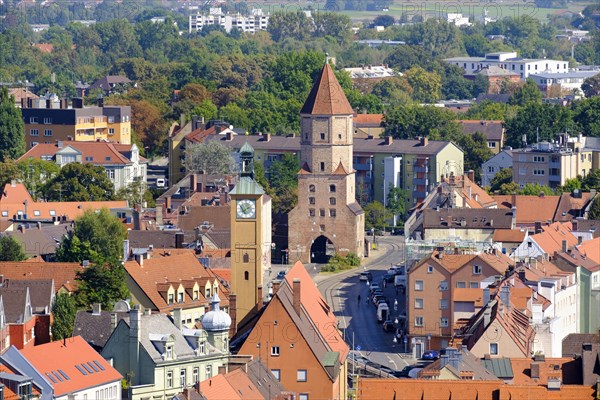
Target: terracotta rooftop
(53, 357)
(530, 209)
(13, 199)
(561, 368)
(62, 273)
(363, 120)
(508, 236)
(97, 153)
(469, 295)
(453, 262)
(591, 249)
(327, 96)
(552, 237)
(158, 273)
(467, 218)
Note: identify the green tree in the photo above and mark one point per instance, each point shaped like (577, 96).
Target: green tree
(537, 121)
(11, 249)
(64, 310)
(104, 284)
(384, 20)
(396, 204)
(587, 116)
(571, 184)
(283, 180)
(136, 193)
(595, 209)
(36, 173)
(376, 215)
(212, 158)
(476, 152)
(8, 172)
(96, 236)
(591, 86)
(12, 130)
(535, 189)
(206, 109)
(591, 180)
(289, 25)
(80, 182)
(526, 94)
(412, 121)
(427, 86)
(502, 177)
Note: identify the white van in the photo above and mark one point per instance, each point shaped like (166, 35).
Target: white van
(400, 281)
(383, 311)
(160, 182)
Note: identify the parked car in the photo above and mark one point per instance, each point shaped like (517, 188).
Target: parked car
(383, 311)
(388, 326)
(374, 286)
(430, 355)
(379, 298)
(404, 372)
(280, 275)
(366, 276)
(389, 278)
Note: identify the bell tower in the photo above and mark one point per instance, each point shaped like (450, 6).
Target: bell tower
(250, 222)
(326, 181)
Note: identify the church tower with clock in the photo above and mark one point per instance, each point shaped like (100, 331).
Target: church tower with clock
(327, 218)
(250, 238)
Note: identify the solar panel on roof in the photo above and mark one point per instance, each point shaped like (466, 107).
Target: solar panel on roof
(88, 369)
(64, 375)
(93, 367)
(57, 376)
(81, 370)
(51, 378)
(99, 365)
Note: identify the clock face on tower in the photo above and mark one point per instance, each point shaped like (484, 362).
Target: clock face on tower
(246, 208)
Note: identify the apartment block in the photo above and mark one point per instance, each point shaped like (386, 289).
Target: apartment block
(510, 62)
(256, 21)
(550, 164)
(51, 120)
(445, 289)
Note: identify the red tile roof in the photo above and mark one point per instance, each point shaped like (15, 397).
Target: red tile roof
(159, 273)
(63, 273)
(233, 385)
(368, 120)
(530, 209)
(102, 153)
(318, 310)
(591, 249)
(44, 47)
(550, 240)
(54, 356)
(13, 199)
(508, 236)
(327, 96)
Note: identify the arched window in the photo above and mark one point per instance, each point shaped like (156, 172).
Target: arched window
(246, 258)
(332, 201)
(312, 188)
(246, 275)
(332, 188)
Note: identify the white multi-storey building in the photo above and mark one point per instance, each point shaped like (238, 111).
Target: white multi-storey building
(256, 21)
(509, 61)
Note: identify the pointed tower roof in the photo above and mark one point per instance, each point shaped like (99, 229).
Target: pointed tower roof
(340, 170)
(326, 96)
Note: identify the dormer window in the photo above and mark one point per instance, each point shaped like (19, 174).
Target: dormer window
(171, 298)
(180, 297)
(196, 294)
(201, 347)
(207, 293)
(169, 352)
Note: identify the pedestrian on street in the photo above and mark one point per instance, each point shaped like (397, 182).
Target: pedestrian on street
(359, 299)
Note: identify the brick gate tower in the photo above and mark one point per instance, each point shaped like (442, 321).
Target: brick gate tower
(327, 218)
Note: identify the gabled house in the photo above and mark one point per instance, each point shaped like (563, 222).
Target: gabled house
(17, 206)
(530, 209)
(159, 359)
(492, 130)
(68, 369)
(95, 326)
(312, 362)
(547, 240)
(26, 308)
(477, 225)
(445, 290)
(499, 329)
(457, 364)
(63, 274)
(177, 281)
(122, 162)
(497, 163)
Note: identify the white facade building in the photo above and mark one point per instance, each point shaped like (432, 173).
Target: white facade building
(509, 61)
(570, 81)
(256, 21)
(491, 167)
(392, 177)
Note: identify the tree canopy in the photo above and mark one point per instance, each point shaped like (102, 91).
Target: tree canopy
(211, 157)
(12, 131)
(80, 182)
(11, 249)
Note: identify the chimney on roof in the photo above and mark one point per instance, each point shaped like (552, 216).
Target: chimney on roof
(159, 214)
(487, 317)
(423, 141)
(575, 225)
(579, 239)
(179, 240)
(222, 370)
(505, 295)
(535, 370)
(96, 309)
(564, 246)
(134, 342)
(233, 314)
(471, 175)
(22, 228)
(113, 320)
(296, 295)
(177, 318)
(486, 295)
(388, 140)
(469, 194)
(538, 227)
